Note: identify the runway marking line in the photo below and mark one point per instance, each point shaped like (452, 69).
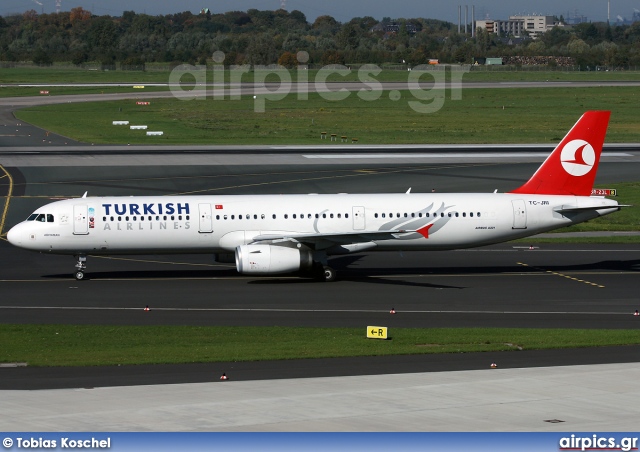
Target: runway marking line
(162, 262)
(341, 176)
(138, 308)
(7, 200)
(561, 274)
(296, 278)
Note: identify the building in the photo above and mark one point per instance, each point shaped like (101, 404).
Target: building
(536, 25)
(519, 26)
(502, 27)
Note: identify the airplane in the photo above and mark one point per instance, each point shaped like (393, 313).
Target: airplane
(277, 234)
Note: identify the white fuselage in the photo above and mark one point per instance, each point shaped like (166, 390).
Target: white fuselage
(219, 224)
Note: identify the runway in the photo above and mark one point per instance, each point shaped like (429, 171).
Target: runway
(508, 285)
(503, 285)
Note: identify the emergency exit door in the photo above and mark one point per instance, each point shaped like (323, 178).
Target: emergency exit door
(358, 218)
(519, 214)
(205, 219)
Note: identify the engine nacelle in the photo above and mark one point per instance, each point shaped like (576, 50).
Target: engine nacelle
(269, 259)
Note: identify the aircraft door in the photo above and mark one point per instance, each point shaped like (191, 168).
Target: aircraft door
(358, 218)
(206, 220)
(519, 214)
(80, 220)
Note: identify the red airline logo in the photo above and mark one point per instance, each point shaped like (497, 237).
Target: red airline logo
(424, 230)
(218, 206)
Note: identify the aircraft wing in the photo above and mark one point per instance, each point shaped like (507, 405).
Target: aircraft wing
(322, 240)
(332, 238)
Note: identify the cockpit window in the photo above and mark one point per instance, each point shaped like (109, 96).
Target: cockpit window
(41, 217)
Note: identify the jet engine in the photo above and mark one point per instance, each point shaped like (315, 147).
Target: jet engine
(270, 259)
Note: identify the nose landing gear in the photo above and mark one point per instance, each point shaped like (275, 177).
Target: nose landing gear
(81, 265)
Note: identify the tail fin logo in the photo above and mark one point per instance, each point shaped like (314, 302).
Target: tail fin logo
(578, 157)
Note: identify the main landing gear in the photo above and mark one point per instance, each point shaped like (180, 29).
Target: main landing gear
(329, 273)
(323, 272)
(81, 265)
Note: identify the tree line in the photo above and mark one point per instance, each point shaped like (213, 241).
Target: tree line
(269, 37)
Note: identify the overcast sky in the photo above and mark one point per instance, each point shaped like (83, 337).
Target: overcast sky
(344, 10)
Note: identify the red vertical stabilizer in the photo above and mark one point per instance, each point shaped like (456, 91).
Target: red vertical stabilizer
(571, 168)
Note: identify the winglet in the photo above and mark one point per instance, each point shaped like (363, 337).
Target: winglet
(571, 168)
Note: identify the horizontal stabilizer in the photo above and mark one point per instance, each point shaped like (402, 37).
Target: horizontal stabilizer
(563, 209)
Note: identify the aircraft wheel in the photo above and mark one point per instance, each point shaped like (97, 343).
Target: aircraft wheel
(79, 275)
(329, 274)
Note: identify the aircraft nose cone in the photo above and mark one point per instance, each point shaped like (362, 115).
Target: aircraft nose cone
(13, 236)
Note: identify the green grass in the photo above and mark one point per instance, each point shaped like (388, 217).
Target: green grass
(56, 74)
(534, 115)
(78, 75)
(71, 345)
(548, 76)
(606, 240)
